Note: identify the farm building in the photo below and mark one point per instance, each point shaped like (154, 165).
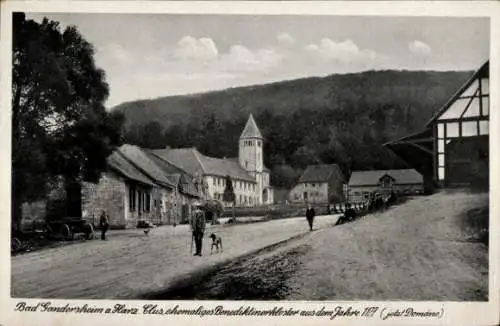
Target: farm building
(250, 178)
(461, 134)
(122, 192)
(453, 149)
(138, 186)
(319, 184)
(402, 182)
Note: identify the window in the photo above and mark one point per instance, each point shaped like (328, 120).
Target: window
(246, 164)
(386, 181)
(155, 203)
(147, 202)
(131, 198)
(259, 143)
(214, 181)
(314, 185)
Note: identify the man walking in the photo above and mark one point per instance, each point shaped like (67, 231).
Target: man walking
(310, 214)
(104, 225)
(198, 224)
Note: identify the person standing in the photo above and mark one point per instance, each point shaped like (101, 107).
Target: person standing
(198, 223)
(104, 225)
(310, 214)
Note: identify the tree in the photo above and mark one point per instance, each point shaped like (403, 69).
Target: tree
(58, 110)
(229, 195)
(149, 135)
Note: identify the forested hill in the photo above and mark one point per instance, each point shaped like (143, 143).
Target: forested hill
(335, 119)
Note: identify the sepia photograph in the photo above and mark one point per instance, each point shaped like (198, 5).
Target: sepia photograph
(161, 156)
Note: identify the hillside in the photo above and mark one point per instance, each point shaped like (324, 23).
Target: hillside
(338, 118)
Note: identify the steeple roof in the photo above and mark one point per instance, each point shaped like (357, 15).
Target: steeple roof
(251, 130)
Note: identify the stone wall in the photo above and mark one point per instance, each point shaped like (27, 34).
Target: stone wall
(107, 195)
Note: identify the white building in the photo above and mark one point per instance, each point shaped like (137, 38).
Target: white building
(250, 178)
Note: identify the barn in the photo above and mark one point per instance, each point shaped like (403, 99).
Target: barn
(453, 149)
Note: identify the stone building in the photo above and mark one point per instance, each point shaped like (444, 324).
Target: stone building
(322, 183)
(402, 182)
(123, 192)
(138, 186)
(250, 178)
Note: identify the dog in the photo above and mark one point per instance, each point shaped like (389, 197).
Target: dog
(216, 243)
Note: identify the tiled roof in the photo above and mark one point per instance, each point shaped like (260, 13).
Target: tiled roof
(251, 130)
(184, 158)
(193, 162)
(175, 174)
(142, 162)
(223, 167)
(369, 178)
(320, 173)
(119, 164)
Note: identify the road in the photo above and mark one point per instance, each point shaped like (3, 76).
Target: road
(130, 264)
(419, 250)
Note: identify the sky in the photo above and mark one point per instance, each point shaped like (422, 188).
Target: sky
(152, 55)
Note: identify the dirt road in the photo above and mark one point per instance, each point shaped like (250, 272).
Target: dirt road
(417, 251)
(130, 264)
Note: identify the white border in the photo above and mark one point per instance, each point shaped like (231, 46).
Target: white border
(466, 313)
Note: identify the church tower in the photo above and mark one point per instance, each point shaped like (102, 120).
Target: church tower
(251, 145)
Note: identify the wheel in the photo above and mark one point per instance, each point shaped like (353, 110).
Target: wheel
(65, 231)
(15, 244)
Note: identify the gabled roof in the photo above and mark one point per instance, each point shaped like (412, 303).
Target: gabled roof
(369, 178)
(320, 173)
(195, 163)
(484, 71)
(175, 174)
(251, 130)
(142, 162)
(121, 165)
(185, 158)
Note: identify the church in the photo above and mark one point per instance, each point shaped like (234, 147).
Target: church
(250, 178)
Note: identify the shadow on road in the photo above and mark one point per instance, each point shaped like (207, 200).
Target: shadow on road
(251, 277)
